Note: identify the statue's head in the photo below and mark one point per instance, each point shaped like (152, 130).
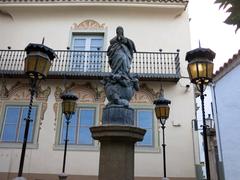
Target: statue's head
(119, 31)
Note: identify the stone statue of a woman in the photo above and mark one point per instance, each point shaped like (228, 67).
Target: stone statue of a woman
(120, 85)
(120, 53)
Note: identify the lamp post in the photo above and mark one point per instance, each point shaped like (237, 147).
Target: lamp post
(162, 113)
(68, 109)
(36, 67)
(200, 69)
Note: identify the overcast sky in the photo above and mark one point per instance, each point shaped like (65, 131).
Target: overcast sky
(207, 26)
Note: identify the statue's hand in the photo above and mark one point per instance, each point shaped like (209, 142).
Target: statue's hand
(119, 38)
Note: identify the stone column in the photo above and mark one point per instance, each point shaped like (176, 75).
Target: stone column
(117, 143)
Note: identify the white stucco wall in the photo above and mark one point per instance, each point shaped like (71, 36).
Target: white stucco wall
(227, 93)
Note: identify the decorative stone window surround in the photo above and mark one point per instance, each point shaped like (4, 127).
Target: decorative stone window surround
(87, 97)
(143, 99)
(88, 26)
(19, 94)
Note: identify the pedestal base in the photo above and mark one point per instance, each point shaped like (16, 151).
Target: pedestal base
(19, 178)
(118, 115)
(165, 178)
(62, 176)
(117, 150)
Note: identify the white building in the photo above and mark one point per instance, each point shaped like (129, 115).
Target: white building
(226, 92)
(86, 27)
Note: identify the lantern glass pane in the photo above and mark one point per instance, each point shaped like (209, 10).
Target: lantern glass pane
(202, 70)
(65, 107)
(210, 70)
(72, 106)
(68, 110)
(68, 106)
(192, 71)
(30, 63)
(64, 104)
(47, 67)
(42, 65)
(167, 112)
(157, 111)
(162, 111)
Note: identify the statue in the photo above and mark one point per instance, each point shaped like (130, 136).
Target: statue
(120, 85)
(120, 53)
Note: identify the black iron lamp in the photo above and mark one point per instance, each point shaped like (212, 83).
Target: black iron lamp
(209, 122)
(68, 109)
(200, 69)
(200, 66)
(162, 110)
(38, 60)
(68, 104)
(36, 67)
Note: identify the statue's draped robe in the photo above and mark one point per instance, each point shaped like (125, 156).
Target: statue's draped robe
(120, 53)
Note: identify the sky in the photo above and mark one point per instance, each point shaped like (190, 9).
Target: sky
(207, 25)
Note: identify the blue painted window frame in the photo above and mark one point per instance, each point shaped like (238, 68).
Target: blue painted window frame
(87, 61)
(18, 125)
(149, 128)
(76, 127)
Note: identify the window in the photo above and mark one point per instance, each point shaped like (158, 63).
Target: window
(86, 55)
(14, 124)
(144, 119)
(79, 133)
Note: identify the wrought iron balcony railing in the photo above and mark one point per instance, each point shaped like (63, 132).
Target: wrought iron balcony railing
(148, 65)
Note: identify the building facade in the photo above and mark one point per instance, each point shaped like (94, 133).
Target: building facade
(226, 107)
(79, 32)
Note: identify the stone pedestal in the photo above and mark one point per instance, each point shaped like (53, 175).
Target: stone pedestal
(117, 150)
(117, 114)
(19, 178)
(62, 176)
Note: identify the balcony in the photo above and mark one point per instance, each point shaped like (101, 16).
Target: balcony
(163, 66)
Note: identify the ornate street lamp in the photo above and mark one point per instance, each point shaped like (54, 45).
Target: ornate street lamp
(209, 122)
(68, 109)
(200, 69)
(36, 67)
(162, 113)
